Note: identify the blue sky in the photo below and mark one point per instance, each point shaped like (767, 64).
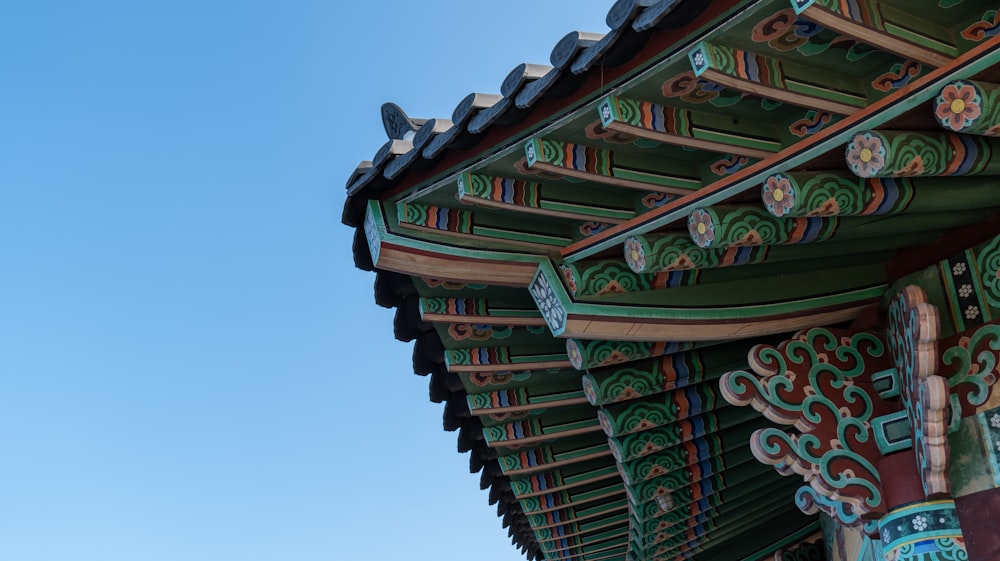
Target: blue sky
(190, 366)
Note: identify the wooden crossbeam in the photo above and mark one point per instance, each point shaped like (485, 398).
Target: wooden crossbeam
(735, 471)
(869, 26)
(770, 78)
(606, 167)
(501, 359)
(682, 127)
(661, 409)
(548, 519)
(518, 400)
(920, 154)
(842, 194)
(528, 197)
(661, 528)
(477, 311)
(639, 444)
(562, 479)
(725, 441)
(423, 258)
(552, 456)
(468, 225)
(622, 384)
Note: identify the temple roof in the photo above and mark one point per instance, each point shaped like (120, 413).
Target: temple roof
(580, 257)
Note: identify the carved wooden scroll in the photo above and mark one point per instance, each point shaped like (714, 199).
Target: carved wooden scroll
(820, 382)
(914, 328)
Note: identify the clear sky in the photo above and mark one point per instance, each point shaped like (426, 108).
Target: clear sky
(190, 366)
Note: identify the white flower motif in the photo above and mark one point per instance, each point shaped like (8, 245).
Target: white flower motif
(972, 312)
(965, 290)
(995, 421)
(919, 523)
(998, 445)
(959, 269)
(699, 59)
(941, 520)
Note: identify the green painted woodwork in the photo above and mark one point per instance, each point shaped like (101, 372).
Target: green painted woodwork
(696, 533)
(558, 517)
(612, 277)
(580, 529)
(660, 515)
(969, 107)
(691, 286)
(519, 398)
(542, 381)
(661, 409)
(561, 499)
(534, 198)
(439, 218)
(662, 527)
(969, 467)
(920, 91)
(892, 432)
(989, 424)
(904, 22)
(652, 376)
(965, 287)
(918, 154)
(619, 168)
(830, 194)
(488, 358)
(637, 445)
(701, 130)
(378, 235)
(555, 453)
(651, 253)
(778, 282)
(573, 475)
(554, 303)
(740, 226)
(732, 441)
(664, 485)
(586, 542)
(467, 335)
(746, 226)
(970, 363)
(599, 353)
(828, 91)
(480, 224)
(751, 537)
(533, 430)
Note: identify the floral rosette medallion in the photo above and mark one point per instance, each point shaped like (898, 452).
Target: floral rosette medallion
(635, 254)
(574, 353)
(778, 195)
(958, 106)
(866, 154)
(701, 226)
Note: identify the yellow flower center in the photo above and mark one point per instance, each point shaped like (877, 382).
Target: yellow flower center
(635, 255)
(778, 195)
(702, 228)
(958, 106)
(866, 155)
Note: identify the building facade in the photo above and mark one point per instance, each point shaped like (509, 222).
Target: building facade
(722, 283)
